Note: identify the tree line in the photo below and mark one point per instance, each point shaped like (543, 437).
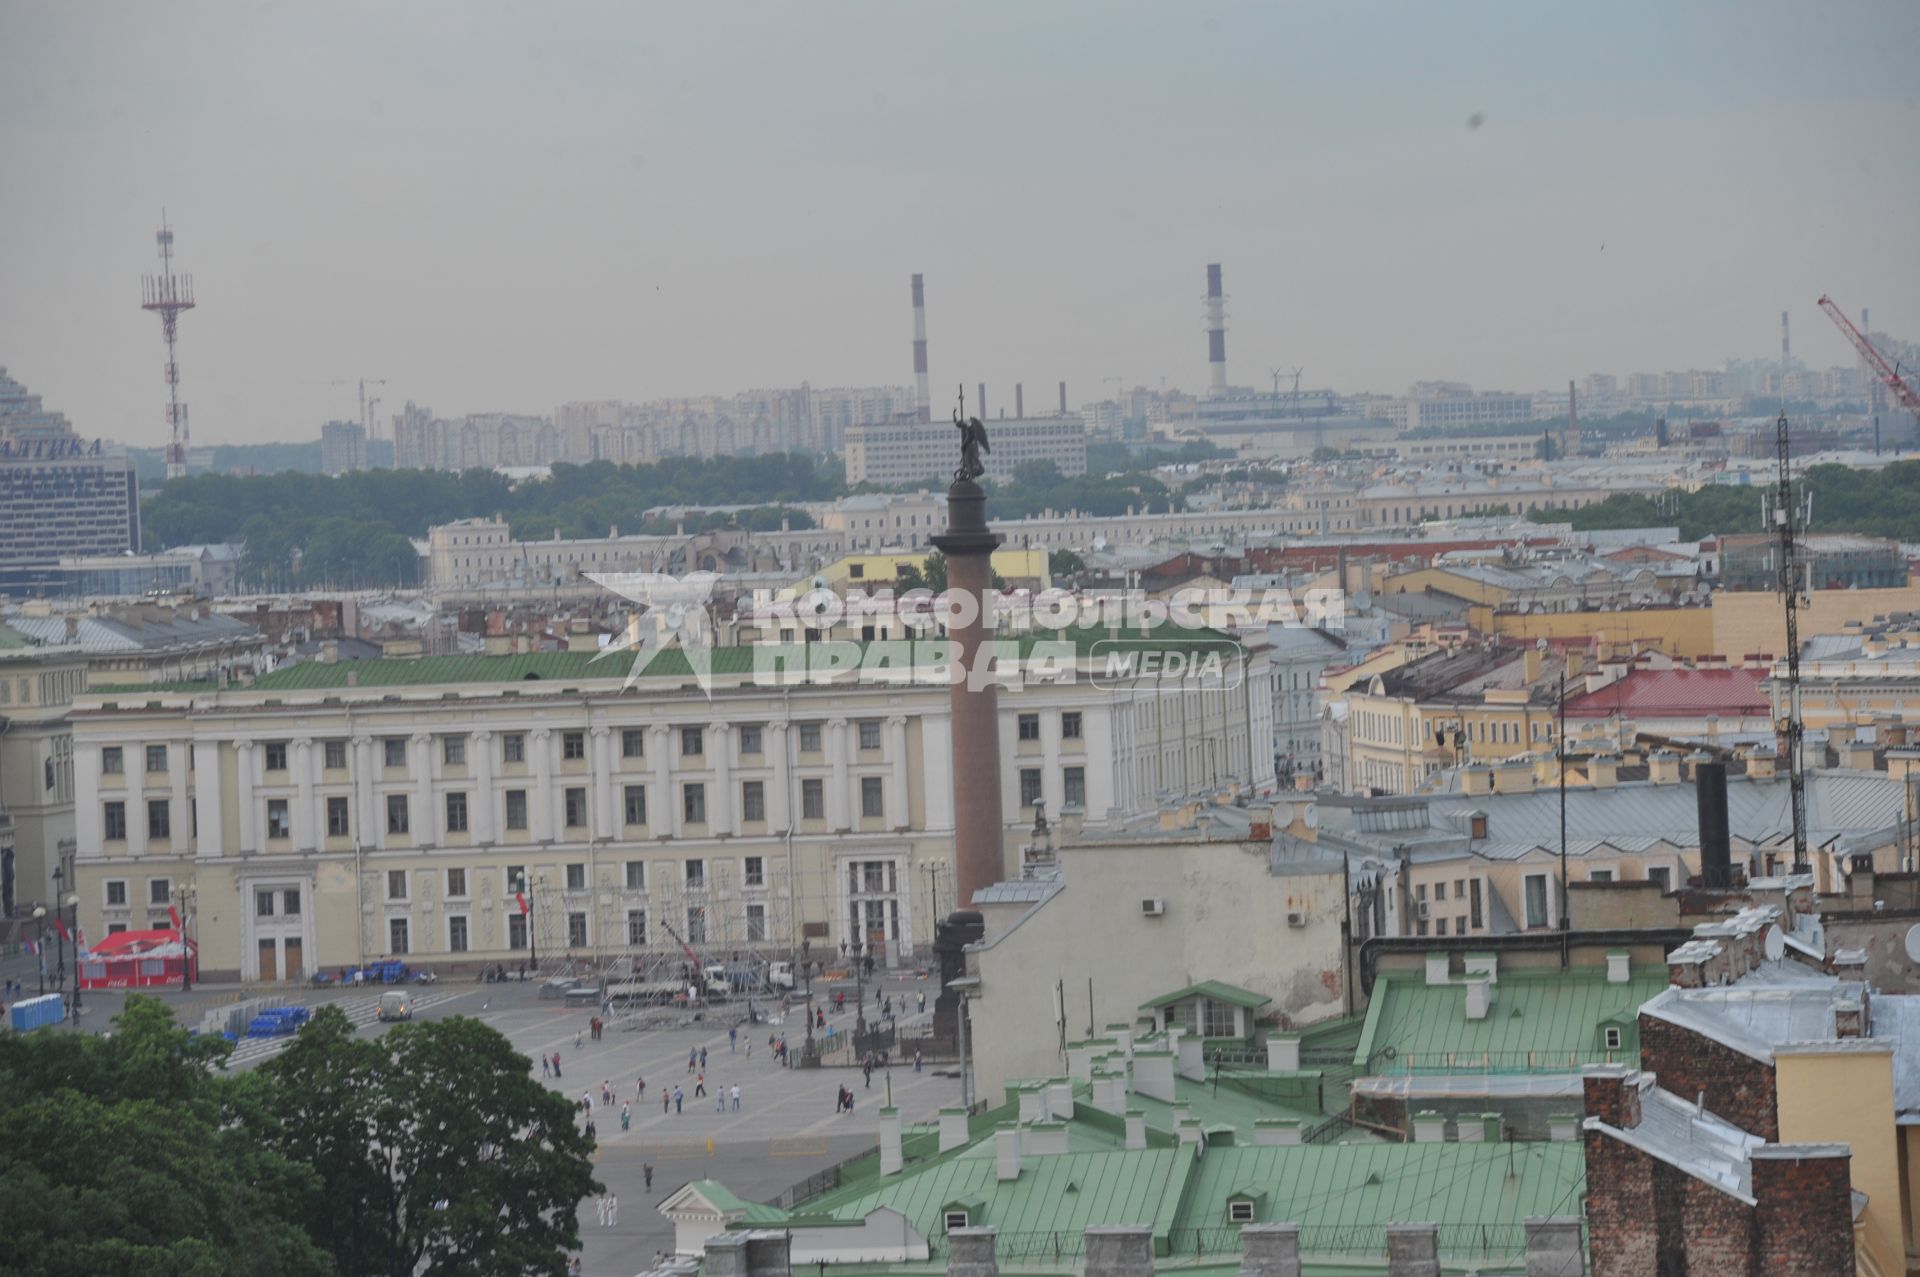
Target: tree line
(1883, 502)
(130, 1153)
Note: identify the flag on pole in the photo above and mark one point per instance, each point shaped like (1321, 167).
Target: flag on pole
(521, 896)
(173, 916)
(60, 925)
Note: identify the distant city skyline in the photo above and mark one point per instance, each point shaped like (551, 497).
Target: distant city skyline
(504, 209)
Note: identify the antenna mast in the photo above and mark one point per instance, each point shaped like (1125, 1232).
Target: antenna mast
(1791, 729)
(167, 294)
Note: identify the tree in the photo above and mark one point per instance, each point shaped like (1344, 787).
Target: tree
(934, 572)
(1065, 563)
(1325, 452)
(437, 1151)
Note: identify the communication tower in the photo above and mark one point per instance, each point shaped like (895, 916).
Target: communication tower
(167, 294)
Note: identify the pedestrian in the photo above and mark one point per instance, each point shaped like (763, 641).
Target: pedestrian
(699, 1084)
(916, 1059)
(546, 1066)
(749, 1048)
(867, 1068)
(600, 1204)
(586, 1100)
(577, 1035)
(736, 1097)
(639, 1090)
(703, 1057)
(693, 1059)
(719, 1099)
(591, 1133)
(819, 1017)
(613, 1210)
(626, 1117)
(679, 1098)
(646, 1168)
(606, 1093)
(733, 1038)
(923, 999)
(666, 1098)
(556, 1064)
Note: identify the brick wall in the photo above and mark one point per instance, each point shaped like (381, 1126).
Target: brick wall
(1739, 1088)
(1805, 1215)
(1622, 1230)
(1715, 1232)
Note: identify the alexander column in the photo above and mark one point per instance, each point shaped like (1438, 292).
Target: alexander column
(978, 833)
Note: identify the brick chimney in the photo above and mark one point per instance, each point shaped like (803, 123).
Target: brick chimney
(970, 1252)
(1553, 1246)
(1119, 1251)
(1270, 1250)
(1803, 1215)
(1613, 1094)
(1413, 1250)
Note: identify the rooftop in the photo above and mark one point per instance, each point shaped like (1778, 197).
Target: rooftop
(1643, 692)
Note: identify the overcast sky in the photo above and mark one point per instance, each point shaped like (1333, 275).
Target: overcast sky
(507, 206)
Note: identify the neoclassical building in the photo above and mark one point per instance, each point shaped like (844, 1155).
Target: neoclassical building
(331, 814)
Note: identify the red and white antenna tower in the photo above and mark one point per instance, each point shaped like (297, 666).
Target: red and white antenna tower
(168, 294)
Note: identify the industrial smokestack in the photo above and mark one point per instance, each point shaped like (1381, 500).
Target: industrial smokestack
(1786, 344)
(982, 414)
(1063, 398)
(1716, 843)
(920, 348)
(1019, 401)
(1570, 441)
(1216, 330)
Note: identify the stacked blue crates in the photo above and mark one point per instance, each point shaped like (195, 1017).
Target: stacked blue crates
(278, 1022)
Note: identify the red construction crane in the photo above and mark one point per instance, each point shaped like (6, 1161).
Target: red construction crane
(1884, 372)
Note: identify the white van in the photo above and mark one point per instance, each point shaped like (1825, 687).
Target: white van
(396, 1005)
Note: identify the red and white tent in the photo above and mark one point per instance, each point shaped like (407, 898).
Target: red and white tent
(138, 959)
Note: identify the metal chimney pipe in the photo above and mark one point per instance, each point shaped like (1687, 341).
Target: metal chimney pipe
(1716, 841)
(1063, 398)
(1786, 343)
(920, 348)
(1216, 314)
(982, 414)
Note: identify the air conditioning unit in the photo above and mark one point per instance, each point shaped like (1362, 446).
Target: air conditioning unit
(1296, 919)
(1152, 908)
(1420, 910)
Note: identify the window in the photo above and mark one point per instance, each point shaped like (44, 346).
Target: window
(636, 875)
(456, 933)
(755, 871)
(156, 758)
(334, 755)
(1536, 900)
(516, 878)
(337, 826)
(160, 818)
(1440, 926)
(396, 884)
(750, 739)
(873, 800)
(693, 803)
(516, 809)
(692, 742)
(456, 813)
(575, 801)
(637, 928)
(753, 800)
(1239, 1212)
(636, 804)
(1221, 1022)
(453, 751)
(456, 883)
(1440, 890)
(397, 813)
(113, 820)
(263, 904)
(513, 748)
(276, 755)
(576, 877)
(573, 745)
(1612, 1038)
(395, 749)
(1029, 727)
(279, 824)
(1070, 725)
(576, 930)
(1075, 785)
(290, 902)
(112, 761)
(809, 738)
(1460, 924)
(696, 924)
(1477, 924)
(159, 891)
(1029, 786)
(1662, 875)
(397, 935)
(954, 1219)
(696, 874)
(633, 743)
(813, 799)
(1600, 875)
(116, 893)
(869, 733)
(756, 924)
(516, 930)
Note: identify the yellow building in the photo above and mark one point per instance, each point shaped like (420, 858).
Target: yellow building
(1841, 1091)
(1684, 633)
(1020, 569)
(1748, 622)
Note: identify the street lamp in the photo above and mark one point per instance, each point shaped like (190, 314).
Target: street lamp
(59, 931)
(806, 966)
(73, 901)
(40, 944)
(184, 893)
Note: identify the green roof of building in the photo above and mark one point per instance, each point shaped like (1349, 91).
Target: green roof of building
(11, 638)
(1540, 1020)
(1213, 991)
(725, 1199)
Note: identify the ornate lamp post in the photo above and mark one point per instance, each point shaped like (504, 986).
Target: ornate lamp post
(73, 902)
(40, 944)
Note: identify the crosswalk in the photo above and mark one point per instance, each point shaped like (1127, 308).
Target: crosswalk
(359, 1012)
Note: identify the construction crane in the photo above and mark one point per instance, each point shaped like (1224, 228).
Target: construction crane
(366, 405)
(1883, 372)
(1791, 729)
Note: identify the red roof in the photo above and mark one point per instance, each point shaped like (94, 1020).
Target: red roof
(1729, 693)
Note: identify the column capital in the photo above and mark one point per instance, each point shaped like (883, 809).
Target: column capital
(659, 729)
(719, 727)
(896, 720)
(303, 742)
(421, 738)
(837, 724)
(245, 746)
(482, 736)
(601, 732)
(541, 733)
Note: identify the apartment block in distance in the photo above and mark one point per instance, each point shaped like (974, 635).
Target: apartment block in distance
(918, 451)
(59, 496)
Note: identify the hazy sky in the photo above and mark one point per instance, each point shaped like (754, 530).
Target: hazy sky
(506, 206)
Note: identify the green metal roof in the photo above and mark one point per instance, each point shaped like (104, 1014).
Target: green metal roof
(11, 638)
(1369, 1186)
(1214, 991)
(725, 1199)
(1540, 1020)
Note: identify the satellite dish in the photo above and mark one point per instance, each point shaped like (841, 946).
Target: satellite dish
(1776, 944)
(1913, 943)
